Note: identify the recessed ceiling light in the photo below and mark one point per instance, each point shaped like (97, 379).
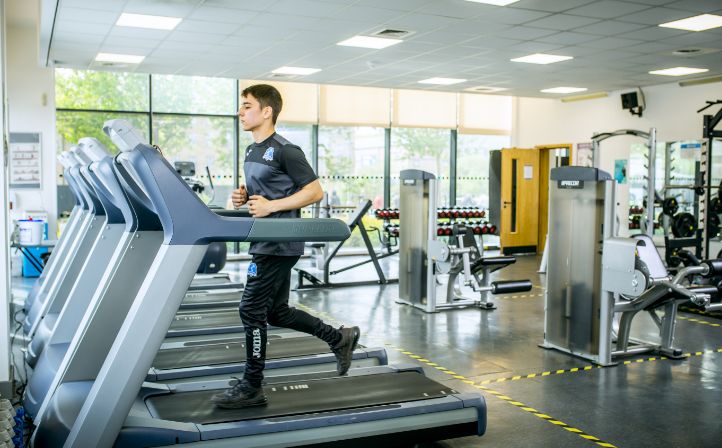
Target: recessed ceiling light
(696, 23)
(678, 71)
(542, 58)
(442, 81)
(122, 58)
(494, 2)
(376, 43)
(564, 90)
(295, 70)
(486, 89)
(146, 21)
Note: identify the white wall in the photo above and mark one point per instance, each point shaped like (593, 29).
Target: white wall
(31, 108)
(670, 108)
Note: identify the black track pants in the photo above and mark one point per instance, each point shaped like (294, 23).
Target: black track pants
(265, 301)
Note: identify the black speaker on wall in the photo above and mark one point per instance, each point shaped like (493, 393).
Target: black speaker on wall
(632, 102)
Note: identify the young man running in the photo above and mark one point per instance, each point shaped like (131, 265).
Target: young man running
(279, 182)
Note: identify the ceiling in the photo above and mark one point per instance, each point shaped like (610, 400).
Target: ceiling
(614, 43)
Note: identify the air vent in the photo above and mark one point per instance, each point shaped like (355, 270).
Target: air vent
(689, 52)
(392, 34)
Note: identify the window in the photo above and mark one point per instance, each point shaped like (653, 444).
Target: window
(472, 167)
(72, 126)
(206, 141)
(85, 89)
(351, 169)
(193, 95)
(425, 149)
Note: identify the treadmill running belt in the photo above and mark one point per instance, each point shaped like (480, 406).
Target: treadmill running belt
(304, 397)
(234, 352)
(206, 319)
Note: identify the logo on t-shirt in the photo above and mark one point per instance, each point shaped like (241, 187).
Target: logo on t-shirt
(268, 155)
(252, 270)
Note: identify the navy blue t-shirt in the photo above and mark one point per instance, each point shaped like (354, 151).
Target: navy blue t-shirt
(275, 169)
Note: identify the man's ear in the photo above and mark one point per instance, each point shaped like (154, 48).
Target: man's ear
(267, 112)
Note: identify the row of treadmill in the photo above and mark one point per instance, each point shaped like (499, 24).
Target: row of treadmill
(127, 343)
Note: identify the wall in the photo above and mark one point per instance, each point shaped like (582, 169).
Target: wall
(31, 108)
(670, 108)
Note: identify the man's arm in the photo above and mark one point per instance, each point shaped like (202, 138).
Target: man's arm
(309, 194)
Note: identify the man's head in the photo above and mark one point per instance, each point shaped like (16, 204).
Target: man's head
(260, 103)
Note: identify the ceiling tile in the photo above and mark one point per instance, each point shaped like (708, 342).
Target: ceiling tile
(71, 26)
(562, 22)
(512, 16)
(703, 6)
(610, 28)
(87, 15)
(228, 15)
(609, 43)
(550, 5)
(567, 38)
(161, 8)
(235, 4)
(607, 9)
(525, 33)
(305, 8)
(458, 9)
(204, 26)
(200, 38)
(655, 16)
(421, 22)
(535, 47)
(653, 33)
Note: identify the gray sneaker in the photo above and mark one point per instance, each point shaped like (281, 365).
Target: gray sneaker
(345, 347)
(240, 395)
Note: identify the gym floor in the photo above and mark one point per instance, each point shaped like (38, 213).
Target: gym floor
(538, 397)
(535, 397)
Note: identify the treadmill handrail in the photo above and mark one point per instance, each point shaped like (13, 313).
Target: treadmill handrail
(188, 221)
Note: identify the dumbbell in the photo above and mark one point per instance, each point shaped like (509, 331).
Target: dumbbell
(492, 229)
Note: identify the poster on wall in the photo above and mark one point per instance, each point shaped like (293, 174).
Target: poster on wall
(620, 171)
(584, 155)
(25, 163)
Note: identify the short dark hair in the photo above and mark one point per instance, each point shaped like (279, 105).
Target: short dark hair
(267, 96)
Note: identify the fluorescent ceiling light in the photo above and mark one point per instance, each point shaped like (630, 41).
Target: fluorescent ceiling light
(146, 21)
(588, 96)
(442, 81)
(295, 70)
(678, 71)
(696, 23)
(376, 43)
(564, 90)
(541, 58)
(120, 58)
(494, 2)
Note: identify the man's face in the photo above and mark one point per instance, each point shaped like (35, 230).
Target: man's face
(251, 114)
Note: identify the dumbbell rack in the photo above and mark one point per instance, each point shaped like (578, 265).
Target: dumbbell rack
(471, 217)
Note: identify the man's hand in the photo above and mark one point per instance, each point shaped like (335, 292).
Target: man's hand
(239, 197)
(260, 206)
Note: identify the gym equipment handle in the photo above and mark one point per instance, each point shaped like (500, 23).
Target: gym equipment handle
(510, 286)
(715, 267)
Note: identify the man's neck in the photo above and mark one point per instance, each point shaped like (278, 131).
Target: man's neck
(262, 133)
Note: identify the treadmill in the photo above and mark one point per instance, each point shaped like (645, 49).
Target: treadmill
(111, 300)
(89, 408)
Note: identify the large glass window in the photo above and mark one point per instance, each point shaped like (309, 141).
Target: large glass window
(351, 169)
(85, 89)
(206, 141)
(425, 149)
(194, 95)
(71, 126)
(472, 167)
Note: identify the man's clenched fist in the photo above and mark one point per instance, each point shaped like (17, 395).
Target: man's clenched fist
(240, 196)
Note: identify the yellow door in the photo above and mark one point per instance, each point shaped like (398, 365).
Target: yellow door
(519, 230)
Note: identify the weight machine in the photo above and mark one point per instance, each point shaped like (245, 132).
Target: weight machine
(598, 282)
(423, 257)
(651, 138)
(323, 258)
